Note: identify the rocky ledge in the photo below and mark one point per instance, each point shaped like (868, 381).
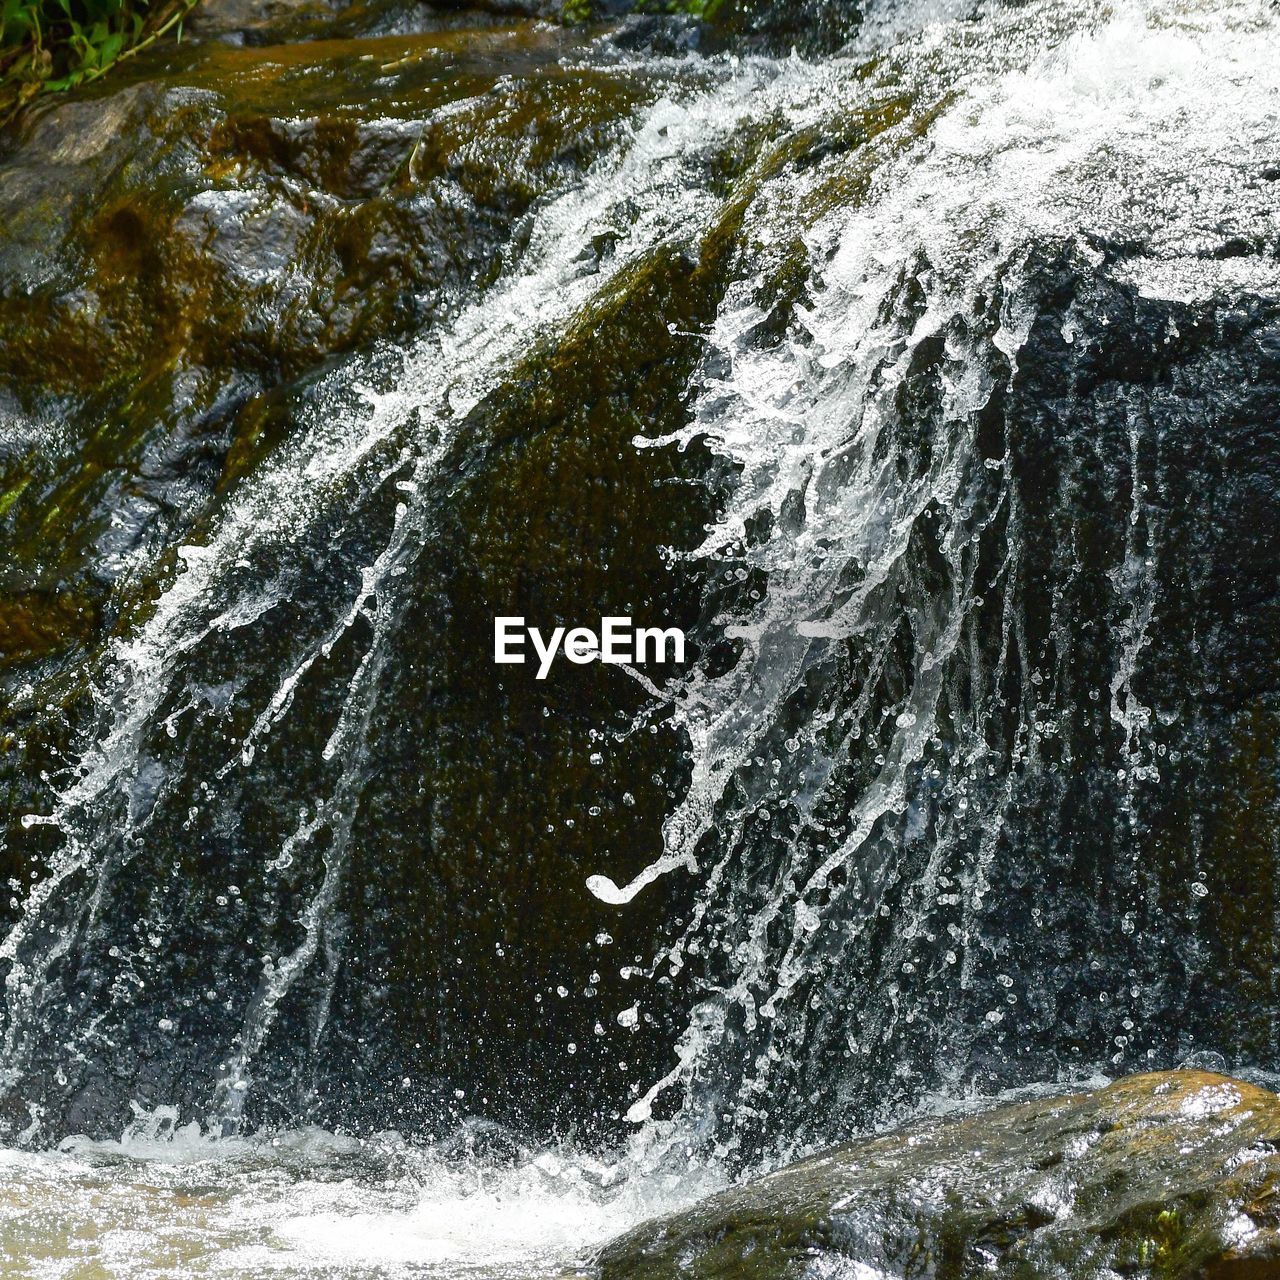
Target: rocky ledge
(1169, 1175)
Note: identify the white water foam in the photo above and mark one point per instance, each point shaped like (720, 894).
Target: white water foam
(171, 1200)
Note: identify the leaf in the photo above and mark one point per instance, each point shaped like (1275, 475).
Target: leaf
(78, 39)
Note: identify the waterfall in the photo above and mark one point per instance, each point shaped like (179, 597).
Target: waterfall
(928, 717)
(381, 440)
(879, 817)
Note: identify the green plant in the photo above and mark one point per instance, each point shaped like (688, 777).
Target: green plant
(48, 45)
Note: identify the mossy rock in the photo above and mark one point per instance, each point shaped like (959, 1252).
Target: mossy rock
(477, 812)
(34, 625)
(1165, 1176)
(215, 222)
(812, 27)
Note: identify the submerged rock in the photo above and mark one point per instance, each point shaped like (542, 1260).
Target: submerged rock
(1171, 1174)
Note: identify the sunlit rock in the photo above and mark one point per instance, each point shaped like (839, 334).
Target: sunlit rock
(1168, 1175)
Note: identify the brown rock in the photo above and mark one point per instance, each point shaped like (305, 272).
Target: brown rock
(1168, 1175)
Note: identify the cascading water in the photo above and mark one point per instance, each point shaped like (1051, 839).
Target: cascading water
(911, 685)
(989, 292)
(385, 452)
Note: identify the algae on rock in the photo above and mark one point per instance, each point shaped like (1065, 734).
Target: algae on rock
(1164, 1176)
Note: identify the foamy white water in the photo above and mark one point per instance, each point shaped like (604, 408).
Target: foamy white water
(1057, 128)
(167, 1200)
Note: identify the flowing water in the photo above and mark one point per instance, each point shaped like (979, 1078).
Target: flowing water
(166, 1201)
(878, 841)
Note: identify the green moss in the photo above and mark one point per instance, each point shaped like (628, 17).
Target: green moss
(691, 8)
(12, 493)
(578, 12)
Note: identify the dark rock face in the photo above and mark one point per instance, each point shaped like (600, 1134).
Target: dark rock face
(1153, 424)
(774, 27)
(1144, 460)
(1109, 881)
(1166, 1176)
(488, 797)
(811, 27)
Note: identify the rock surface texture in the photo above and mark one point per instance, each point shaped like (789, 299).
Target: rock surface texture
(1168, 1175)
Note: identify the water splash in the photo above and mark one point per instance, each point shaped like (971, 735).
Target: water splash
(861, 771)
(862, 767)
(306, 1202)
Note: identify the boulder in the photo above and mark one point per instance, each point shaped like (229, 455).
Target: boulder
(1172, 1175)
(213, 223)
(811, 27)
(181, 277)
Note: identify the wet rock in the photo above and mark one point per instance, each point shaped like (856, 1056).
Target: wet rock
(553, 515)
(460, 967)
(775, 27)
(243, 20)
(33, 625)
(1174, 1176)
(179, 241)
(1123, 918)
(184, 251)
(674, 23)
(271, 22)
